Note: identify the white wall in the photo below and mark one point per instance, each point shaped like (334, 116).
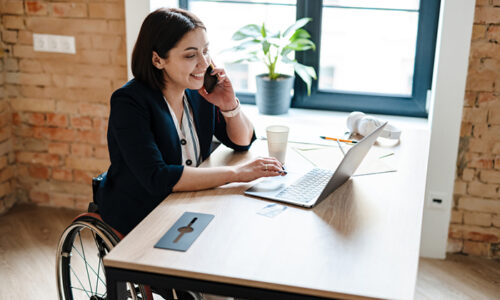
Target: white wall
(448, 88)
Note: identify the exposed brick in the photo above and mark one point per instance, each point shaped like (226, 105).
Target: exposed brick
(481, 80)
(479, 145)
(13, 22)
(106, 10)
(490, 176)
(101, 152)
(468, 174)
(496, 220)
(93, 137)
(30, 66)
(478, 204)
(5, 189)
(39, 197)
(466, 129)
(62, 200)
(460, 188)
(87, 164)
(13, 7)
(6, 174)
(39, 172)
(482, 2)
(56, 134)
(81, 122)
(36, 8)
(5, 147)
(57, 120)
(62, 174)
(86, 82)
(478, 32)
(45, 159)
(493, 33)
(475, 233)
(477, 218)
(496, 148)
(494, 116)
(475, 115)
(475, 248)
(25, 37)
(5, 133)
(482, 189)
(117, 27)
(470, 98)
(66, 26)
(84, 150)
(11, 64)
(67, 107)
(37, 119)
(479, 161)
(23, 51)
(9, 36)
(457, 216)
(3, 161)
(487, 98)
(110, 42)
(91, 56)
(454, 245)
(34, 79)
(487, 15)
(74, 10)
(97, 110)
(58, 148)
(83, 176)
(39, 105)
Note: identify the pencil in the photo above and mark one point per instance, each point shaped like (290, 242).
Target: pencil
(339, 140)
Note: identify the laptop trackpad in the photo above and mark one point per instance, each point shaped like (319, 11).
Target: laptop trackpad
(273, 185)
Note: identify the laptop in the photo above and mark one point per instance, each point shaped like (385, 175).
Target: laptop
(309, 189)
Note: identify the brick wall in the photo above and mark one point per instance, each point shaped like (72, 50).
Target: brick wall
(60, 102)
(475, 219)
(7, 166)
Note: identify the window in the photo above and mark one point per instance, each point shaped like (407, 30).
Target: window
(372, 55)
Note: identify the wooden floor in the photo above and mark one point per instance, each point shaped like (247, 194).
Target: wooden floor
(29, 235)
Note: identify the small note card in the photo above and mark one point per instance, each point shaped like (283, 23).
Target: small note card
(185, 231)
(272, 210)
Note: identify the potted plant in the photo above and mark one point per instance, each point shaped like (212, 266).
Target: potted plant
(257, 43)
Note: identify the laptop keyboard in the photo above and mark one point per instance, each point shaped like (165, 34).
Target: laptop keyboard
(307, 187)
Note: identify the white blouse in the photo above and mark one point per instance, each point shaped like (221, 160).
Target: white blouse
(188, 137)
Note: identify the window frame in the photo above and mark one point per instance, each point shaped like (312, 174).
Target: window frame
(414, 105)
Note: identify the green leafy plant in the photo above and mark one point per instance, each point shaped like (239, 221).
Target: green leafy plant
(257, 43)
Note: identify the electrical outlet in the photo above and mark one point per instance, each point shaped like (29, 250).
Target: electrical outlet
(54, 43)
(437, 200)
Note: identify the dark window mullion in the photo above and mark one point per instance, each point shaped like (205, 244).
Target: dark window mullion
(314, 10)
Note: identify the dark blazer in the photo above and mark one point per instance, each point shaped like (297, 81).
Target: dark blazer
(145, 151)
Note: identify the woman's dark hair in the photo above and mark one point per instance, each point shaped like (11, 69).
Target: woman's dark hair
(160, 32)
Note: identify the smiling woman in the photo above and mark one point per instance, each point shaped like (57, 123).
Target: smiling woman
(162, 123)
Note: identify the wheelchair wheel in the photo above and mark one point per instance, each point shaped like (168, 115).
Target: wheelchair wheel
(79, 265)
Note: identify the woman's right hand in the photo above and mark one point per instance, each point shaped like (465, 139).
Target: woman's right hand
(259, 167)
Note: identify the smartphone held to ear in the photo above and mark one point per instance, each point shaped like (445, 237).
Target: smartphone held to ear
(210, 81)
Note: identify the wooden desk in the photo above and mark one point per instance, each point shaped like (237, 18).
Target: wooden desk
(361, 242)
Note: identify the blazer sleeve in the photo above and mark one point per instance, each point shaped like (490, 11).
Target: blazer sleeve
(221, 133)
(129, 123)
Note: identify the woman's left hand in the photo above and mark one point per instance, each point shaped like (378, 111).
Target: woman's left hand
(222, 95)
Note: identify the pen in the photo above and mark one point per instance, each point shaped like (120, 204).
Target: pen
(339, 140)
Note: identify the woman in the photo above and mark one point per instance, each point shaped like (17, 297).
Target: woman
(162, 123)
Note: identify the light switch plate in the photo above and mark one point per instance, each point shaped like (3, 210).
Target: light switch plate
(54, 43)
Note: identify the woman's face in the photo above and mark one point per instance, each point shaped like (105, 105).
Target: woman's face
(186, 63)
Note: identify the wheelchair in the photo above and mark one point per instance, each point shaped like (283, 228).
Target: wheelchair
(79, 260)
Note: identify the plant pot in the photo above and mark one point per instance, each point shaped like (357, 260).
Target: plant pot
(273, 97)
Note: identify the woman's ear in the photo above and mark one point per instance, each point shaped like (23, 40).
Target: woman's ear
(157, 60)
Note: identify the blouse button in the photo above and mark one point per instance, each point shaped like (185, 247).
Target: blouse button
(188, 162)
(183, 142)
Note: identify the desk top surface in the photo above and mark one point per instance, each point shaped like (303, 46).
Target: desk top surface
(362, 241)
